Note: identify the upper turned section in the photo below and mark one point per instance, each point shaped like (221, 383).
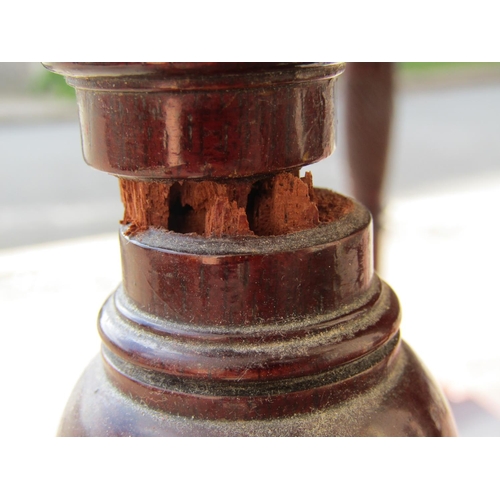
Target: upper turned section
(203, 120)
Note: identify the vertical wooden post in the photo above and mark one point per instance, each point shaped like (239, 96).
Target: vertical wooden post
(370, 94)
(249, 305)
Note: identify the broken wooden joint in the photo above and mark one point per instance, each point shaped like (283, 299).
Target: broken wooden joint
(275, 205)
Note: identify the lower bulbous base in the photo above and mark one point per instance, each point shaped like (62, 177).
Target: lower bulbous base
(395, 397)
(290, 335)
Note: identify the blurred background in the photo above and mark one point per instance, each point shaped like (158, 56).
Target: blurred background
(59, 255)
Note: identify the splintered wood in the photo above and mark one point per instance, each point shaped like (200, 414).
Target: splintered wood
(146, 204)
(282, 204)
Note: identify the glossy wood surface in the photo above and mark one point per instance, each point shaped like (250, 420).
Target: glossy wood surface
(289, 335)
(337, 369)
(204, 121)
(250, 280)
(407, 403)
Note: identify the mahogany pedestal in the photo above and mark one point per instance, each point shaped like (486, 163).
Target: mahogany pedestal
(249, 305)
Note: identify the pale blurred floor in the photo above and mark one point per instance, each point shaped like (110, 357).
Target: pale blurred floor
(50, 295)
(441, 256)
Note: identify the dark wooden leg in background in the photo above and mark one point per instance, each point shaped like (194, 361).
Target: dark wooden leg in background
(369, 114)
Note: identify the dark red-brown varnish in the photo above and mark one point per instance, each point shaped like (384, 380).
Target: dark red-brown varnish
(284, 335)
(283, 332)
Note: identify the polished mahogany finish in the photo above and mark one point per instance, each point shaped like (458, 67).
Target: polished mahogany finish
(289, 335)
(203, 121)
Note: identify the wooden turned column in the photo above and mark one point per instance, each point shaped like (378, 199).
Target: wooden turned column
(249, 305)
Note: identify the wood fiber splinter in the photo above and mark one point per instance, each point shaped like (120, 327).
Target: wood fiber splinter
(281, 204)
